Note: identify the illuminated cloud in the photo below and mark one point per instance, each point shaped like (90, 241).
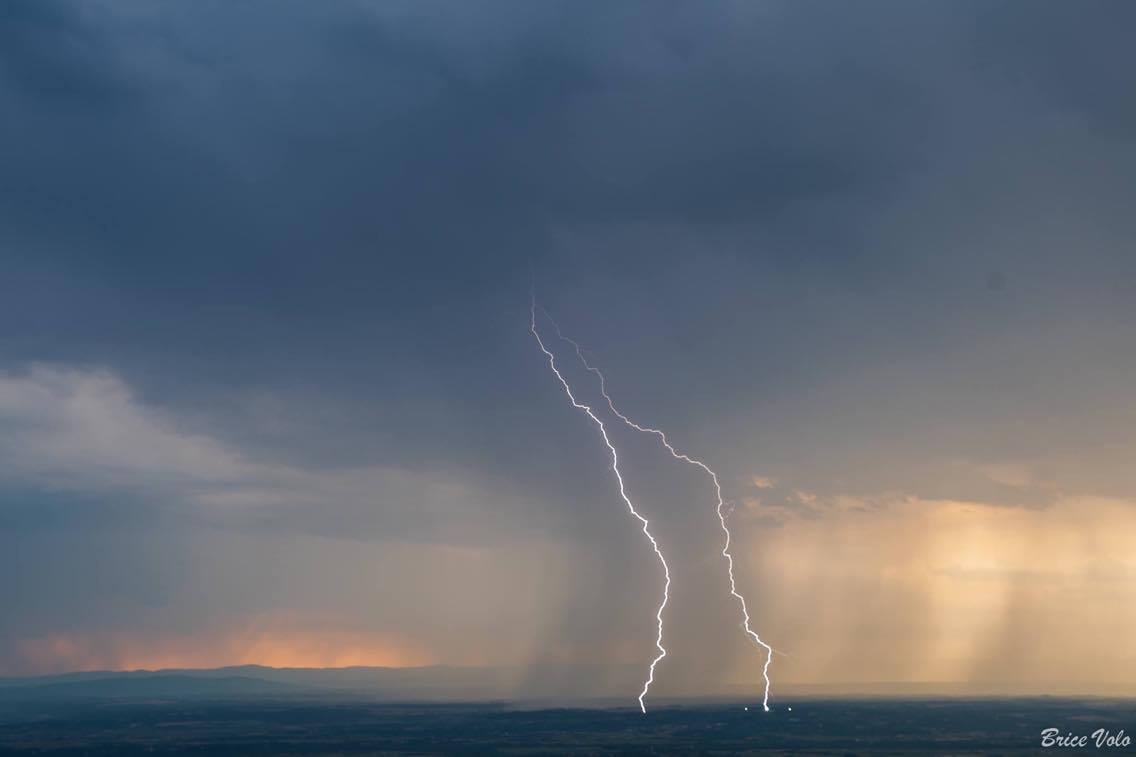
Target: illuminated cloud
(984, 597)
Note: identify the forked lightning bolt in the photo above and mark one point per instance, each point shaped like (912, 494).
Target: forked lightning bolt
(717, 488)
(623, 493)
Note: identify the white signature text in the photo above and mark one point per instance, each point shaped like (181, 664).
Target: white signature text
(1098, 738)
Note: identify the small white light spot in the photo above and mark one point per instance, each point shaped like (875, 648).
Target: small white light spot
(747, 709)
(790, 709)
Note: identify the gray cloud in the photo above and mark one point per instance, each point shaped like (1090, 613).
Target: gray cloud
(83, 433)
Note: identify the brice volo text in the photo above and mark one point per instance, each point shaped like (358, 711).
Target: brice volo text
(1098, 738)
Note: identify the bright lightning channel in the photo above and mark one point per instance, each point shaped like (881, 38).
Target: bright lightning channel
(623, 493)
(717, 488)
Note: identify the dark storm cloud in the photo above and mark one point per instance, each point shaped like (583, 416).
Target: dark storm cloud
(50, 58)
(1075, 54)
(344, 202)
(246, 196)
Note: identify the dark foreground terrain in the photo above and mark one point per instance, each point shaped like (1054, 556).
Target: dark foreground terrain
(307, 726)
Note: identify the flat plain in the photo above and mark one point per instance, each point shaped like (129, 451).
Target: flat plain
(248, 724)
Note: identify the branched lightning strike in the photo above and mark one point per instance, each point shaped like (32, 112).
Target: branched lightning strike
(623, 493)
(720, 509)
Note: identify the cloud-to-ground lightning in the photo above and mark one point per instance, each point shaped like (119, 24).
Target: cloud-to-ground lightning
(630, 506)
(720, 509)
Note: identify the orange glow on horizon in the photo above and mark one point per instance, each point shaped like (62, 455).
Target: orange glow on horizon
(257, 643)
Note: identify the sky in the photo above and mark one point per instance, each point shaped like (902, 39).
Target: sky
(268, 392)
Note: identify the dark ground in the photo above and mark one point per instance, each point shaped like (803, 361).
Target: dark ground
(310, 726)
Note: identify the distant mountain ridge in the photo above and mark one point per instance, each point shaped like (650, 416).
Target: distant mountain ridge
(439, 682)
(158, 685)
(427, 684)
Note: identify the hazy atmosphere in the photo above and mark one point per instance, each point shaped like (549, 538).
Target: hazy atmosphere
(268, 390)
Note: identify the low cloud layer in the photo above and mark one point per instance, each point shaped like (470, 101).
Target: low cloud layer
(82, 433)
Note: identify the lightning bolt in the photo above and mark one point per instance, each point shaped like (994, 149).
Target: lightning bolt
(623, 493)
(720, 508)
